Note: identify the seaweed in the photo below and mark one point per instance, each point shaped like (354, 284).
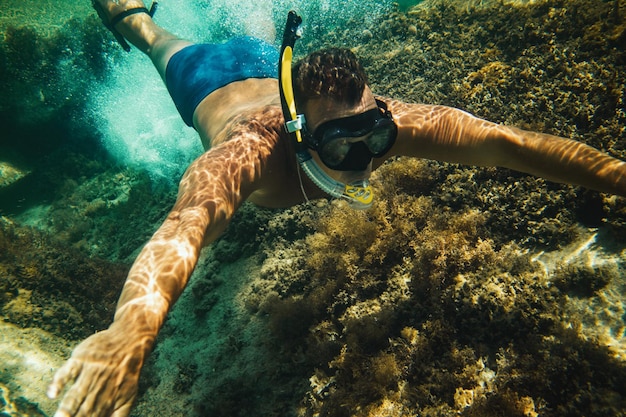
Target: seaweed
(414, 310)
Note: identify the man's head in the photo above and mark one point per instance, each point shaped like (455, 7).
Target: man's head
(345, 124)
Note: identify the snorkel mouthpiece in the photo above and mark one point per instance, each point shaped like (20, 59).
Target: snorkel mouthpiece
(358, 194)
(361, 196)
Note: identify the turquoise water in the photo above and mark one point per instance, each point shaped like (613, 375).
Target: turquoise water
(474, 292)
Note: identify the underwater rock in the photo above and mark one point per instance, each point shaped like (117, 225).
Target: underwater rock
(49, 285)
(18, 407)
(48, 61)
(28, 358)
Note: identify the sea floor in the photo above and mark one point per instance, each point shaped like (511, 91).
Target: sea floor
(463, 291)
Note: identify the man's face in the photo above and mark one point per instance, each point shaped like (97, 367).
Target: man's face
(321, 110)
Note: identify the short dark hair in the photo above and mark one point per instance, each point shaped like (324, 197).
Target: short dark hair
(331, 72)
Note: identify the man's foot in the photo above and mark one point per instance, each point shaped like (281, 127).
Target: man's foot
(112, 12)
(115, 7)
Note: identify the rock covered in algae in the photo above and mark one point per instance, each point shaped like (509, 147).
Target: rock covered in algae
(411, 309)
(45, 283)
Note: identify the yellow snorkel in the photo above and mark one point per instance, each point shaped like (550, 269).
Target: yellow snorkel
(295, 122)
(358, 194)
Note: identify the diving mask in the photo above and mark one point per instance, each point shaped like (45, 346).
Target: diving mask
(350, 143)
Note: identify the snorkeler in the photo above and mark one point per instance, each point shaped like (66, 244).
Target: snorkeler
(316, 131)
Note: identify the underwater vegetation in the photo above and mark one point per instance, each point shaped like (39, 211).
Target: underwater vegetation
(408, 309)
(429, 304)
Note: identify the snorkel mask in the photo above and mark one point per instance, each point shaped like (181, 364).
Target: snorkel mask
(340, 143)
(350, 143)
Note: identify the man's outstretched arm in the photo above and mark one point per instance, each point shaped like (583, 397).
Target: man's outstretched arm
(104, 369)
(451, 135)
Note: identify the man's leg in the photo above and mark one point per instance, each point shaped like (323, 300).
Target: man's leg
(140, 30)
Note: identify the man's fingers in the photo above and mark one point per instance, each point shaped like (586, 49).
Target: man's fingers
(78, 400)
(68, 372)
(69, 406)
(87, 397)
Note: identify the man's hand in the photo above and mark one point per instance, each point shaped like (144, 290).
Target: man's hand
(103, 372)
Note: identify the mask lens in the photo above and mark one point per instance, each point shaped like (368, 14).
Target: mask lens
(381, 139)
(378, 142)
(373, 130)
(335, 151)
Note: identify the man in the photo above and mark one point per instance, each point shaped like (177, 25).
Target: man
(338, 133)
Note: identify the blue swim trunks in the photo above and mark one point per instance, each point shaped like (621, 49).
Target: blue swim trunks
(197, 70)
